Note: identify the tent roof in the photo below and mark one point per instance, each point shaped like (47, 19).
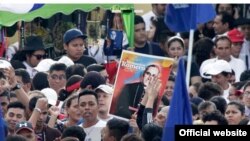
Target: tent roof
(48, 10)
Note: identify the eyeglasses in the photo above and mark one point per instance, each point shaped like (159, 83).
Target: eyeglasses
(39, 56)
(60, 77)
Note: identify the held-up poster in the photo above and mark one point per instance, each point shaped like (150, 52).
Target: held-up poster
(134, 72)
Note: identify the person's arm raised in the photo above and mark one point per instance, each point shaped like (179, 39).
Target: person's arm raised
(22, 96)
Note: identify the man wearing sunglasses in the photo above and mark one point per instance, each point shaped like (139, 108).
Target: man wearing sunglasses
(32, 53)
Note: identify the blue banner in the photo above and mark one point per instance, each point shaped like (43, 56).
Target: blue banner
(184, 17)
(180, 109)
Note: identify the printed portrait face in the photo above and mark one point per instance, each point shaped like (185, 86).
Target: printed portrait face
(150, 72)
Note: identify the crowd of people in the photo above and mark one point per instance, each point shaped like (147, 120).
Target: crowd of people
(68, 98)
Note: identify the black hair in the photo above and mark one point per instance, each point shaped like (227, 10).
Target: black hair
(40, 81)
(12, 94)
(244, 121)
(151, 132)
(165, 35)
(95, 67)
(202, 50)
(16, 104)
(57, 67)
(217, 116)
(240, 106)
(139, 20)
(74, 131)
(117, 128)
(165, 100)
(88, 92)
(23, 74)
(196, 100)
(16, 138)
(161, 28)
(227, 18)
(76, 69)
(217, 8)
(171, 78)
(245, 75)
(5, 93)
(194, 108)
(208, 90)
(92, 78)
(220, 103)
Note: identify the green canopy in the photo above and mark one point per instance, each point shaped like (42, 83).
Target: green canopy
(48, 10)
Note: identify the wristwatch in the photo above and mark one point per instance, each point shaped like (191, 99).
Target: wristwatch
(18, 86)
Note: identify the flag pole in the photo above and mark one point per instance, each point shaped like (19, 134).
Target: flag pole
(189, 59)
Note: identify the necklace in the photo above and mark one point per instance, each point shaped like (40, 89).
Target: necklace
(88, 132)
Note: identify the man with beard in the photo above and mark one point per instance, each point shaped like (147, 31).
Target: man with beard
(88, 105)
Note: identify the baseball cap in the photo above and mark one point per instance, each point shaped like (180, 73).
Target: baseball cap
(235, 36)
(72, 34)
(218, 67)
(44, 65)
(105, 88)
(24, 125)
(4, 64)
(51, 95)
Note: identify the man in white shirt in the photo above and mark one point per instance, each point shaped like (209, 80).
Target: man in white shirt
(223, 51)
(88, 105)
(220, 72)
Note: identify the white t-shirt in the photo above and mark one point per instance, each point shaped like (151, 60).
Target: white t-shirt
(93, 133)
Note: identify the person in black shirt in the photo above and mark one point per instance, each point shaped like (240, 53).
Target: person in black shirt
(74, 44)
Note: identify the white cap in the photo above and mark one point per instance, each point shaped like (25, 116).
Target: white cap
(44, 65)
(218, 67)
(4, 64)
(66, 60)
(51, 95)
(105, 88)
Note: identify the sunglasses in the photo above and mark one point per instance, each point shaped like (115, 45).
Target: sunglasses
(39, 57)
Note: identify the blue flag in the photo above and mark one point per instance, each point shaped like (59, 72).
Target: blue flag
(180, 109)
(183, 17)
(2, 130)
